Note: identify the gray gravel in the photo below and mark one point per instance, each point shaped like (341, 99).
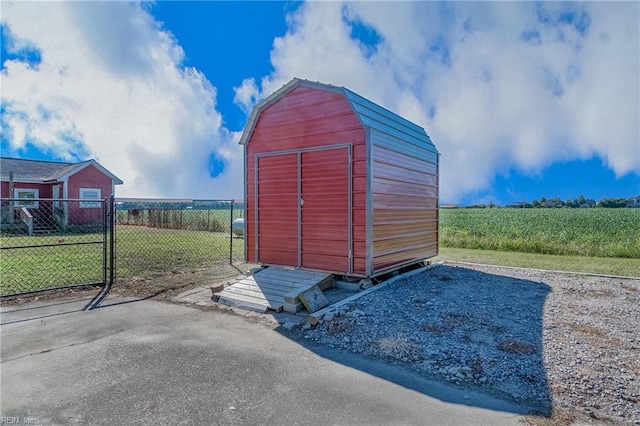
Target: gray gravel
(538, 338)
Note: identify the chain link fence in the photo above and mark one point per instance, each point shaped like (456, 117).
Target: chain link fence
(46, 243)
(154, 236)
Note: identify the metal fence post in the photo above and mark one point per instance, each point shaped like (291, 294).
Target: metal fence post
(231, 235)
(112, 239)
(105, 228)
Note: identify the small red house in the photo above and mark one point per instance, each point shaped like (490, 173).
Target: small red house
(336, 183)
(57, 182)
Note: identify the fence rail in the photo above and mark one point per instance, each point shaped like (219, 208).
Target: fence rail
(48, 244)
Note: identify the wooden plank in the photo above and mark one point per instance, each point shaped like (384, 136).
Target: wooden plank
(244, 304)
(289, 277)
(266, 292)
(284, 283)
(273, 288)
(271, 283)
(230, 292)
(296, 278)
(291, 272)
(270, 287)
(271, 300)
(293, 307)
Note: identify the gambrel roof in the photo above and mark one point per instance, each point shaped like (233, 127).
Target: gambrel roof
(369, 113)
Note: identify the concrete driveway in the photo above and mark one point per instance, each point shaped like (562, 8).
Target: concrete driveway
(151, 362)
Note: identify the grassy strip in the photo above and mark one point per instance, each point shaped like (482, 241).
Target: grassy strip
(581, 232)
(597, 265)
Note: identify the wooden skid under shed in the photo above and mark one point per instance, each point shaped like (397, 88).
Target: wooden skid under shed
(273, 288)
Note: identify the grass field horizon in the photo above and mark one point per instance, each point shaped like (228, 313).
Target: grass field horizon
(605, 233)
(605, 241)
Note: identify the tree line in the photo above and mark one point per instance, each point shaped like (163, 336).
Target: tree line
(579, 202)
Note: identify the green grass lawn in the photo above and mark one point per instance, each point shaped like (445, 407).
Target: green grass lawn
(36, 268)
(140, 251)
(598, 265)
(603, 241)
(143, 251)
(575, 232)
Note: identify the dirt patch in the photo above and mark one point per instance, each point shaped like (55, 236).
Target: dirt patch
(159, 286)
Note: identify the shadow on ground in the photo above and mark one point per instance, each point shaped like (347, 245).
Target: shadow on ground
(476, 331)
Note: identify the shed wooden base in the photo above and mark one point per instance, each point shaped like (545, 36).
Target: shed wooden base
(274, 288)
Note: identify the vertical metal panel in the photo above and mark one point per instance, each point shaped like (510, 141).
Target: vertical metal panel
(325, 205)
(317, 248)
(276, 209)
(299, 169)
(404, 194)
(255, 208)
(369, 205)
(438, 211)
(350, 206)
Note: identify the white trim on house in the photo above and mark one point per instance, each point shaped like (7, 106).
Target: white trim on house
(90, 194)
(32, 204)
(81, 166)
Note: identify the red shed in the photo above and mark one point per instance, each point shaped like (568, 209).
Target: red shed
(336, 183)
(57, 181)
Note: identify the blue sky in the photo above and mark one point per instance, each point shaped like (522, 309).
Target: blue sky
(522, 99)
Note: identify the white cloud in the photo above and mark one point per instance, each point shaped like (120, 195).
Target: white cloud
(497, 85)
(111, 85)
(246, 95)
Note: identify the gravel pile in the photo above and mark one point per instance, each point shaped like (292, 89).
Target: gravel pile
(537, 338)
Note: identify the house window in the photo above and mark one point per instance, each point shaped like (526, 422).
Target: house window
(89, 194)
(27, 197)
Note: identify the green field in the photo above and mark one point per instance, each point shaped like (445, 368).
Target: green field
(585, 240)
(140, 251)
(605, 233)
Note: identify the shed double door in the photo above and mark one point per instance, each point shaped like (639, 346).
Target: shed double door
(303, 201)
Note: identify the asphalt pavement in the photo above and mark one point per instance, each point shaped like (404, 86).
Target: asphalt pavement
(159, 363)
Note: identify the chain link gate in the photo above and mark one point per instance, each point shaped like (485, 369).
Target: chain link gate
(50, 244)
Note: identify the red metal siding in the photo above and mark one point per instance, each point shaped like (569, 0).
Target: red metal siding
(277, 210)
(325, 194)
(301, 119)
